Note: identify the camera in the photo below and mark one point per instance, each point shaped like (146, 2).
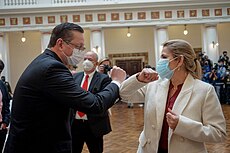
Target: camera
(107, 68)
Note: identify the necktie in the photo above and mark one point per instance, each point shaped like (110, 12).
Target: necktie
(85, 87)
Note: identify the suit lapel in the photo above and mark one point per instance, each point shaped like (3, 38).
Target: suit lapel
(79, 78)
(183, 97)
(93, 82)
(161, 99)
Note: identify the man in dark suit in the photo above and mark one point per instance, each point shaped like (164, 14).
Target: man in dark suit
(90, 128)
(46, 92)
(4, 109)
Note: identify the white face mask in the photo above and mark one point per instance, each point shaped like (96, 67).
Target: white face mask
(75, 58)
(87, 65)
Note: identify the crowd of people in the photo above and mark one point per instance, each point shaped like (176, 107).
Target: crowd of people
(56, 111)
(217, 74)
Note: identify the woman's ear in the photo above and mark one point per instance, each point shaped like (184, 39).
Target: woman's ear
(181, 60)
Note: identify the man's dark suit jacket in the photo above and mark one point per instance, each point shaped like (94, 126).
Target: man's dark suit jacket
(5, 103)
(43, 98)
(99, 123)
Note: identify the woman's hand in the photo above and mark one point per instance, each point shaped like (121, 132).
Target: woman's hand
(147, 75)
(172, 119)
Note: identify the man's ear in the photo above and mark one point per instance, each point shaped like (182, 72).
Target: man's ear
(59, 42)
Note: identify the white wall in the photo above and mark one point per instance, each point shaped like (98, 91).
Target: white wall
(224, 37)
(21, 54)
(116, 41)
(141, 40)
(193, 36)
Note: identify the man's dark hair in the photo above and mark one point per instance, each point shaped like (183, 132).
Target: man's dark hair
(2, 65)
(64, 31)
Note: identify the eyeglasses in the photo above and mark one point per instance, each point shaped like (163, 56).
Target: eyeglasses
(81, 48)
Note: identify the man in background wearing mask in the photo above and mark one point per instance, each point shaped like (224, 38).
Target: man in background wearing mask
(46, 92)
(90, 128)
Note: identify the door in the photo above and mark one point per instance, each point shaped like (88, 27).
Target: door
(131, 66)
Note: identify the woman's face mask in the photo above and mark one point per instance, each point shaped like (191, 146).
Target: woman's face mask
(88, 65)
(163, 69)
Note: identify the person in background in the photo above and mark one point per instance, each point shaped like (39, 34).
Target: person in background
(4, 109)
(46, 92)
(181, 112)
(224, 57)
(3, 78)
(104, 66)
(90, 128)
(208, 61)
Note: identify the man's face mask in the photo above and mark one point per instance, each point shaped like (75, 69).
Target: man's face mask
(76, 56)
(88, 65)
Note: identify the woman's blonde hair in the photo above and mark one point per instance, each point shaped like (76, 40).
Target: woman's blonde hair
(191, 63)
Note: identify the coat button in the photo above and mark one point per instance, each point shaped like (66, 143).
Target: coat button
(148, 141)
(153, 127)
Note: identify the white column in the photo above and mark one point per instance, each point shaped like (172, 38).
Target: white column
(4, 54)
(97, 42)
(210, 38)
(160, 36)
(45, 38)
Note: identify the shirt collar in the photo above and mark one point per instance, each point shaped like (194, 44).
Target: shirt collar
(91, 74)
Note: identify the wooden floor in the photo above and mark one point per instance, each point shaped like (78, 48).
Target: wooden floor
(127, 123)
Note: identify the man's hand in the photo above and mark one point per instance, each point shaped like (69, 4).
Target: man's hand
(3, 126)
(147, 75)
(117, 74)
(172, 119)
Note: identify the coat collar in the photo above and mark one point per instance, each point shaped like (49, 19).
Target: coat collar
(80, 75)
(186, 90)
(52, 53)
(181, 101)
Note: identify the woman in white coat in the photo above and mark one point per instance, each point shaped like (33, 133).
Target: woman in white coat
(181, 112)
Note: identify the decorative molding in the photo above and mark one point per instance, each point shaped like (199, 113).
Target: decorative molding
(63, 18)
(115, 16)
(180, 14)
(101, 17)
(155, 15)
(128, 16)
(193, 13)
(88, 18)
(141, 15)
(2, 22)
(13, 21)
(218, 12)
(76, 18)
(168, 14)
(134, 17)
(205, 12)
(26, 20)
(39, 20)
(228, 11)
(51, 19)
